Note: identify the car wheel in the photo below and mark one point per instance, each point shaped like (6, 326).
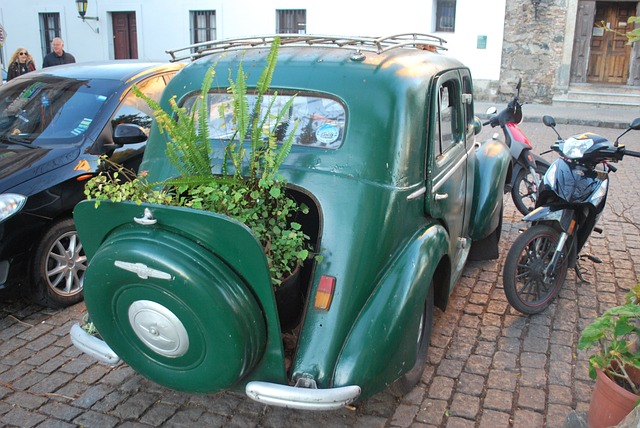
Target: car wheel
(58, 267)
(410, 379)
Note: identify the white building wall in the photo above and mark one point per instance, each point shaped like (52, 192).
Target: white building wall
(164, 24)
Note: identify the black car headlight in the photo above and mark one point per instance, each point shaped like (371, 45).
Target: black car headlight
(10, 204)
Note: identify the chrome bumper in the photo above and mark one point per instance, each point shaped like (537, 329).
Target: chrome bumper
(302, 398)
(93, 346)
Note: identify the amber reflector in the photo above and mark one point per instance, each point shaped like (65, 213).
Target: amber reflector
(325, 292)
(84, 177)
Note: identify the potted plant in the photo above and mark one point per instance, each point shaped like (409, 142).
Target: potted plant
(248, 187)
(615, 363)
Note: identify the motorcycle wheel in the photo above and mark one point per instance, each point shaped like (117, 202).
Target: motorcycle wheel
(524, 268)
(524, 191)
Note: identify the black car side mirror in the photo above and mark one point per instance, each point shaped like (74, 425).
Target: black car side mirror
(128, 133)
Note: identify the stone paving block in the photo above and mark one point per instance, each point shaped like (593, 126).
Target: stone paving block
(485, 348)
(134, 406)
(504, 361)
(494, 419)
(92, 395)
(13, 373)
(404, 415)
(55, 423)
(110, 401)
(10, 345)
(60, 411)
(533, 360)
(532, 398)
(465, 406)
(432, 412)
(478, 364)
(158, 413)
(96, 419)
(527, 419)
(470, 384)
(497, 399)
(450, 368)
(25, 400)
(560, 395)
(441, 388)
(19, 417)
(43, 356)
(457, 422)
(557, 415)
(502, 379)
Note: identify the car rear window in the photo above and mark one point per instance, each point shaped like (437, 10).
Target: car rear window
(320, 119)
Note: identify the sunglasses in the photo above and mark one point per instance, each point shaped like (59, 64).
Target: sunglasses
(24, 53)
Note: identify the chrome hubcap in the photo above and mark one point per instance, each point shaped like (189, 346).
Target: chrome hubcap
(158, 328)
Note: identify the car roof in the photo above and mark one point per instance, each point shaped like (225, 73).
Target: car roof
(123, 70)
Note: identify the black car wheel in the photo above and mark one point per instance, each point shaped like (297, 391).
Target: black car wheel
(58, 267)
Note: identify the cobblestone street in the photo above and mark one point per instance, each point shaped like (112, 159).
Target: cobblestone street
(489, 366)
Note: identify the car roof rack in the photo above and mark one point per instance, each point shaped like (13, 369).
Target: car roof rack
(376, 45)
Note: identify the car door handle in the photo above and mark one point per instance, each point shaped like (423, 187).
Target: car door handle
(441, 196)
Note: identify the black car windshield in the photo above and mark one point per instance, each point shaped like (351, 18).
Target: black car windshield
(51, 109)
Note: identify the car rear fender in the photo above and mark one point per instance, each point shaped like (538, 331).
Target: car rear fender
(203, 239)
(491, 167)
(382, 344)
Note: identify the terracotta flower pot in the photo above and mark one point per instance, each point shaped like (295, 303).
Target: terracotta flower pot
(610, 403)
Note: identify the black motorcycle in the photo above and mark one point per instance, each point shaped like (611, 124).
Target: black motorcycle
(528, 168)
(570, 201)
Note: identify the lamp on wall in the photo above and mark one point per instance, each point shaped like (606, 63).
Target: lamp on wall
(536, 4)
(82, 10)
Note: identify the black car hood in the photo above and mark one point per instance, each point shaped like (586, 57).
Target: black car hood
(19, 165)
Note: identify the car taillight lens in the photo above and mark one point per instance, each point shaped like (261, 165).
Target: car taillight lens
(324, 295)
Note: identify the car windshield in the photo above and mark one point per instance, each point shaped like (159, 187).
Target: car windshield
(320, 119)
(52, 109)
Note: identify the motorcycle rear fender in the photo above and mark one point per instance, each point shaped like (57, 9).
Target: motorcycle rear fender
(563, 217)
(225, 237)
(491, 171)
(382, 343)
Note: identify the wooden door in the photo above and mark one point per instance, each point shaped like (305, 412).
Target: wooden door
(125, 36)
(609, 55)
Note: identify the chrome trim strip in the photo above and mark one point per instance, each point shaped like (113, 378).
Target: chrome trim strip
(302, 398)
(451, 171)
(421, 191)
(93, 346)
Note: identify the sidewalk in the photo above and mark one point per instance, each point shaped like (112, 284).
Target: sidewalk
(600, 117)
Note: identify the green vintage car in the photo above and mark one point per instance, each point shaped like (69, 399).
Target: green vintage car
(400, 194)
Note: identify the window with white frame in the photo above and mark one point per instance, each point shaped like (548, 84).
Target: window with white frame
(203, 26)
(446, 15)
(49, 30)
(291, 21)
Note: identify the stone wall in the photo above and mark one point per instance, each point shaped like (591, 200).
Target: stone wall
(532, 50)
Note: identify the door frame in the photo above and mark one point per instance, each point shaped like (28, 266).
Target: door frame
(582, 42)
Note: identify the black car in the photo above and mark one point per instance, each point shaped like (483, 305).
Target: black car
(54, 125)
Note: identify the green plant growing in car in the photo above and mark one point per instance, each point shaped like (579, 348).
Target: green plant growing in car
(249, 189)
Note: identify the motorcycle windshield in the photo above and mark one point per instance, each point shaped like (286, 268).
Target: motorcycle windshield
(574, 183)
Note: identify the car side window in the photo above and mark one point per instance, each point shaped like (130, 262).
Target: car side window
(135, 110)
(447, 122)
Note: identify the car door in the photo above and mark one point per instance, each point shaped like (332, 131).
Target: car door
(449, 165)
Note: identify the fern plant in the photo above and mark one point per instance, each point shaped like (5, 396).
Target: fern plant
(249, 189)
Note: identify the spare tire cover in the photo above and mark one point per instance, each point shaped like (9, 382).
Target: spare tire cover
(173, 311)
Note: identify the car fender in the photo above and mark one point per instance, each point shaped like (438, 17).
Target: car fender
(492, 164)
(382, 344)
